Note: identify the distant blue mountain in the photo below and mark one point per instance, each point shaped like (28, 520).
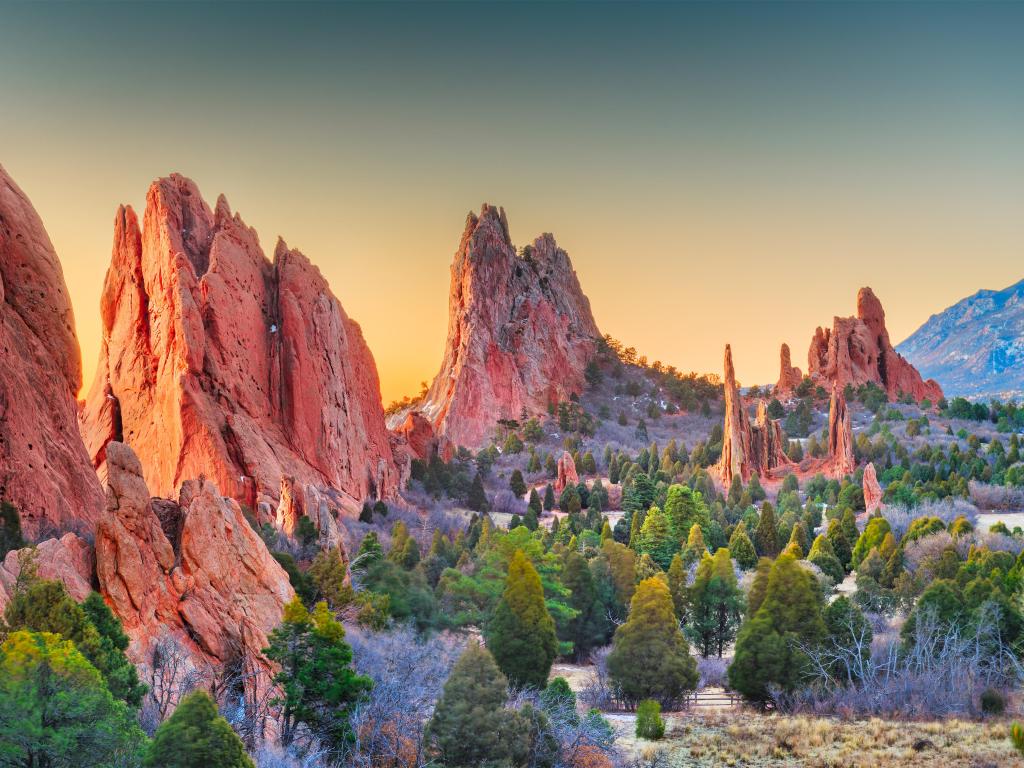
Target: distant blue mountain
(976, 347)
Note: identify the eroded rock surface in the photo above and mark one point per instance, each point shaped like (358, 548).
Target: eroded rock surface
(218, 362)
(567, 474)
(789, 375)
(872, 490)
(520, 333)
(44, 469)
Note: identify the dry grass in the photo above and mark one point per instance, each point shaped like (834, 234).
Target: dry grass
(750, 740)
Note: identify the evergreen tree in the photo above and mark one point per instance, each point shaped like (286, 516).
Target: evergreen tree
(535, 503)
(766, 536)
(821, 555)
(45, 606)
(521, 633)
(10, 529)
(470, 726)
(317, 685)
(874, 534)
(677, 587)
(842, 549)
(657, 539)
(477, 498)
(650, 658)
(549, 497)
(768, 647)
(517, 484)
(369, 552)
(759, 587)
(742, 548)
(531, 521)
(588, 628)
(799, 538)
(716, 604)
(196, 736)
(686, 508)
(695, 546)
(55, 709)
(613, 471)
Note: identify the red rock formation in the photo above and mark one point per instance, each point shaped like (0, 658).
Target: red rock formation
(872, 490)
(418, 435)
(747, 449)
(44, 469)
(856, 350)
(69, 559)
(789, 376)
(566, 473)
(520, 333)
(840, 436)
(193, 569)
(218, 362)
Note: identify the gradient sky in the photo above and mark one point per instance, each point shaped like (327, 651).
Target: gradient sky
(718, 173)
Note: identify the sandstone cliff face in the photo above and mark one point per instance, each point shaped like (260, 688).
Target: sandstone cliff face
(789, 375)
(857, 350)
(193, 570)
(747, 449)
(520, 333)
(44, 469)
(219, 362)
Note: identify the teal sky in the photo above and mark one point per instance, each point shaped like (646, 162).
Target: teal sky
(718, 172)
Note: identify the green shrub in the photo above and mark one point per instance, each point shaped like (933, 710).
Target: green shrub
(649, 724)
(992, 702)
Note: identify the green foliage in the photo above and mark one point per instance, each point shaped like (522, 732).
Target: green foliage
(196, 736)
(521, 633)
(317, 686)
(657, 538)
(766, 535)
(767, 647)
(10, 529)
(301, 582)
(992, 702)
(649, 724)
(742, 548)
(650, 658)
(874, 533)
(589, 628)
(55, 709)
(476, 499)
(470, 726)
(45, 606)
(517, 484)
(686, 508)
(715, 604)
(305, 532)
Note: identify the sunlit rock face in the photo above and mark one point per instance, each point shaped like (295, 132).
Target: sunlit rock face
(856, 350)
(44, 469)
(520, 333)
(219, 362)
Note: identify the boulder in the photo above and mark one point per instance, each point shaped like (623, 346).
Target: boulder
(69, 559)
(872, 490)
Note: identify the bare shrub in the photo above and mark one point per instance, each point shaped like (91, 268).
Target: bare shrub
(713, 672)
(506, 502)
(998, 497)
(598, 692)
(900, 517)
(941, 672)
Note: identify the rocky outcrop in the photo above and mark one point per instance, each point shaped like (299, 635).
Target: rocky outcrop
(520, 333)
(418, 435)
(789, 375)
(567, 474)
(69, 559)
(840, 436)
(857, 350)
(872, 490)
(219, 362)
(44, 469)
(193, 569)
(747, 449)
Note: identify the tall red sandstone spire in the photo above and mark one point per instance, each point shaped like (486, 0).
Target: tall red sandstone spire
(840, 435)
(219, 362)
(789, 375)
(44, 469)
(520, 332)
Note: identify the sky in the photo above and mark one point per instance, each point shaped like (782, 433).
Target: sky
(719, 173)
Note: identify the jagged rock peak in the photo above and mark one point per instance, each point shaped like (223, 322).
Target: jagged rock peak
(520, 333)
(216, 360)
(44, 469)
(857, 350)
(840, 435)
(789, 375)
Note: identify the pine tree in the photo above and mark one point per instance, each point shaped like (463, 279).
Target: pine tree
(695, 547)
(369, 552)
(841, 547)
(742, 548)
(613, 471)
(531, 521)
(768, 647)
(606, 532)
(549, 497)
(657, 539)
(516, 484)
(521, 633)
(766, 536)
(588, 628)
(535, 503)
(759, 587)
(477, 498)
(821, 555)
(874, 534)
(677, 587)
(686, 508)
(650, 658)
(470, 726)
(196, 736)
(700, 627)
